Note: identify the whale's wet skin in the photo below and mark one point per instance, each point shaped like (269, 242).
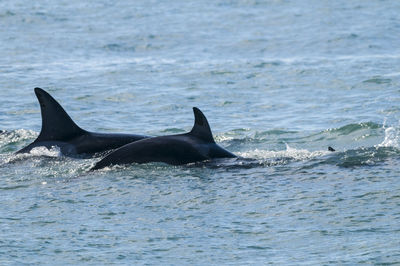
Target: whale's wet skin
(59, 130)
(198, 145)
(279, 82)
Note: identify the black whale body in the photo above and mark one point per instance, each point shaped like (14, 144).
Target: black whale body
(195, 146)
(58, 129)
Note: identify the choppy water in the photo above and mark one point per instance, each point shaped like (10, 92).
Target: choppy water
(279, 81)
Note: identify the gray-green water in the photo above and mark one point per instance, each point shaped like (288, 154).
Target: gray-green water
(279, 81)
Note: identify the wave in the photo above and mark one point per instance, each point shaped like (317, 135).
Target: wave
(259, 135)
(351, 136)
(289, 153)
(268, 148)
(12, 141)
(392, 136)
(304, 159)
(350, 128)
(369, 156)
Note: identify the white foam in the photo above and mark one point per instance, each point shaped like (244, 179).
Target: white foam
(297, 154)
(54, 151)
(17, 135)
(37, 151)
(391, 138)
(222, 138)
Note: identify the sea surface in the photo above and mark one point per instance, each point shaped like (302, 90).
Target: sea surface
(279, 81)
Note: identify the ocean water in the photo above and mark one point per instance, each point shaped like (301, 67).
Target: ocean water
(279, 82)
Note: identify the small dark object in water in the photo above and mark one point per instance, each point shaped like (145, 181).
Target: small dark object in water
(331, 149)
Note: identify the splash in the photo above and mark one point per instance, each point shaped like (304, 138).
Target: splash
(222, 138)
(391, 138)
(15, 136)
(54, 151)
(291, 153)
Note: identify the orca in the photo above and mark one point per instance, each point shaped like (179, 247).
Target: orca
(194, 146)
(58, 129)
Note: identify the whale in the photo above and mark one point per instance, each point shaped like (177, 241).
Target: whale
(58, 129)
(195, 146)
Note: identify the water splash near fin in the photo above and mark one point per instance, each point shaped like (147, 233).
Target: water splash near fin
(391, 138)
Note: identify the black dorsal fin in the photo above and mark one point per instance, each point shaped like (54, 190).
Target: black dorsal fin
(201, 128)
(56, 123)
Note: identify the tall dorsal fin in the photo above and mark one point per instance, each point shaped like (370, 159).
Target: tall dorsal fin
(201, 128)
(56, 123)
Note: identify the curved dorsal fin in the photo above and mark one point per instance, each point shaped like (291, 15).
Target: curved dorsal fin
(201, 128)
(56, 123)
